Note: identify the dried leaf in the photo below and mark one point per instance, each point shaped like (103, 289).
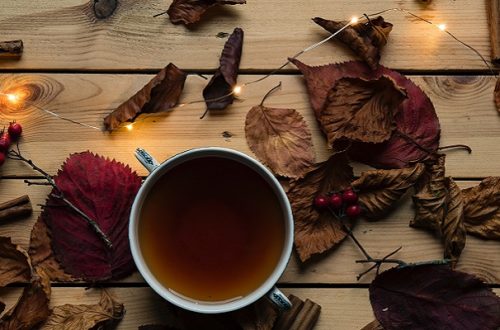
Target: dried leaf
(417, 127)
(14, 264)
(439, 207)
(86, 317)
(482, 209)
(280, 139)
(218, 92)
(32, 307)
(379, 190)
(104, 190)
(315, 231)
(190, 11)
(433, 297)
(42, 256)
(365, 40)
(160, 94)
(2, 307)
(361, 110)
(497, 94)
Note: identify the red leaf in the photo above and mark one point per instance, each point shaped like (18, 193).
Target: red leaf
(417, 126)
(104, 190)
(190, 11)
(217, 93)
(433, 297)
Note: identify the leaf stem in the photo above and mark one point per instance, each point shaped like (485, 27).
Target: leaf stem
(16, 155)
(461, 146)
(275, 88)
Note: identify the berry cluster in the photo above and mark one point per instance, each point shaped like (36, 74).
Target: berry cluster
(342, 203)
(6, 137)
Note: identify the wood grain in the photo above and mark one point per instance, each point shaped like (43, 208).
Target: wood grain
(464, 105)
(65, 34)
(338, 266)
(344, 309)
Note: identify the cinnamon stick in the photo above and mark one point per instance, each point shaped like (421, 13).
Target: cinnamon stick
(302, 316)
(15, 208)
(12, 48)
(493, 8)
(373, 325)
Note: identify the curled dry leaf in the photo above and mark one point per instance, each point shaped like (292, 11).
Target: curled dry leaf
(14, 264)
(190, 11)
(104, 190)
(379, 190)
(433, 297)
(160, 94)
(32, 307)
(482, 209)
(42, 256)
(417, 127)
(218, 92)
(439, 207)
(280, 139)
(366, 40)
(86, 317)
(315, 231)
(361, 110)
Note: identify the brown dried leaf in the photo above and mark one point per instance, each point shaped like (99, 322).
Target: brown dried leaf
(218, 92)
(316, 232)
(482, 209)
(280, 139)
(497, 94)
(32, 308)
(86, 317)
(361, 110)
(160, 94)
(439, 207)
(366, 40)
(14, 264)
(190, 11)
(42, 256)
(378, 190)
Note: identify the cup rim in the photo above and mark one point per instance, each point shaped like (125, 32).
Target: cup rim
(202, 307)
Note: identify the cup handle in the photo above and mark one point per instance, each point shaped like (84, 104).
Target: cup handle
(146, 159)
(279, 299)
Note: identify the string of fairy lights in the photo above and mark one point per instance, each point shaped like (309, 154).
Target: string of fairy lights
(16, 98)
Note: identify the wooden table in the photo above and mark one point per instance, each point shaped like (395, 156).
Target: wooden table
(85, 67)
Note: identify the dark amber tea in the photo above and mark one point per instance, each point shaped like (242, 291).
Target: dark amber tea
(211, 229)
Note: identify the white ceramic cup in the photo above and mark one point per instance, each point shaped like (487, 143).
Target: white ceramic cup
(267, 287)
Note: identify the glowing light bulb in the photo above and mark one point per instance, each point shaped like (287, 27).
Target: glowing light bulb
(13, 98)
(354, 20)
(130, 126)
(442, 27)
(237, 90)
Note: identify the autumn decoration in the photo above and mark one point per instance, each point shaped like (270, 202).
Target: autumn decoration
(190, 11)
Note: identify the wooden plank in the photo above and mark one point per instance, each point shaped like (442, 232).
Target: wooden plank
(340, 308)
(379, 238)
(464, 105)
(65, 34)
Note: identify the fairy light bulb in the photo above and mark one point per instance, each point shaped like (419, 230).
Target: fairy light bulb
(130, 126)
(442, 27)
(12, 98)
(237, 90)
(354, 20)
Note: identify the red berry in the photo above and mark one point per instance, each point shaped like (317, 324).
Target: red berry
(15, 130)
(4, 142)
(2, 158)
(349, 197)
(336, 201)
(353, 211)
(321, 201)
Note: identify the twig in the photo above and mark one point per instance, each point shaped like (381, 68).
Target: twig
(57, 193)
